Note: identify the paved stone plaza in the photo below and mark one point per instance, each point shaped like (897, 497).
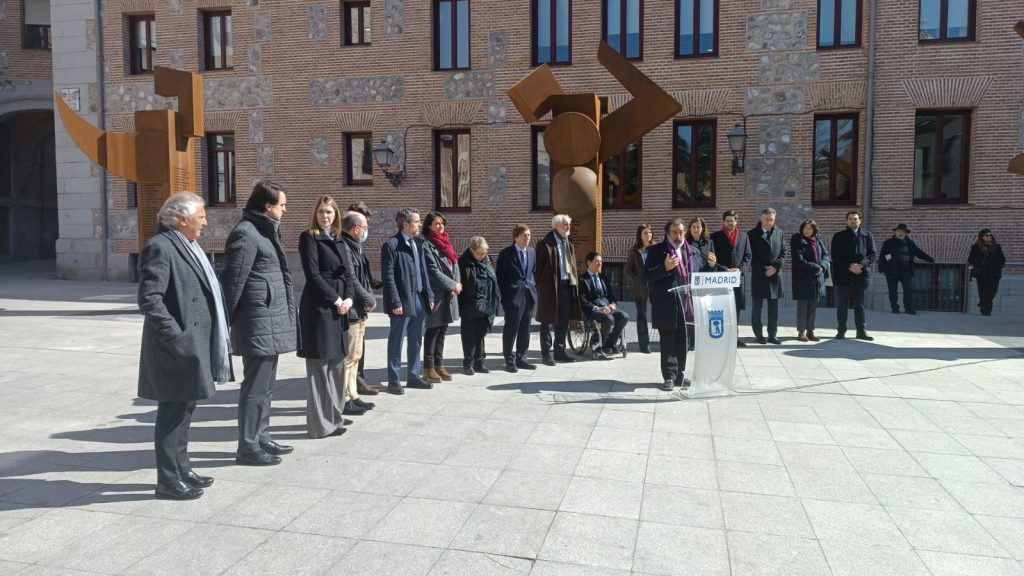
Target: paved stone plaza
(904, 456)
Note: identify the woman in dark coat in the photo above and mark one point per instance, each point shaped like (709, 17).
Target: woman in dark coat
(478, 303)
(986, 260)
(697, 236)
(635, 265)
(443, 272)
(323, 318)
(810, 261)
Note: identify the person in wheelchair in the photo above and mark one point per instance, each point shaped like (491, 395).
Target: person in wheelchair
(598, 304)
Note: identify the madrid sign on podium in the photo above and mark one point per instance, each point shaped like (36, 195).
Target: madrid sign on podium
(715, 330)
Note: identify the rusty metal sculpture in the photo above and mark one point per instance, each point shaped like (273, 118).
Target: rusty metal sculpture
(580, 136)
(160, 155)
(1017, 164)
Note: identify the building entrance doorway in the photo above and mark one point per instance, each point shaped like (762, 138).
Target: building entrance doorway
(28, 187)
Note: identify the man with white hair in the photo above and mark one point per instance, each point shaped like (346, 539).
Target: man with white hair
(185, 347)
(557, 289)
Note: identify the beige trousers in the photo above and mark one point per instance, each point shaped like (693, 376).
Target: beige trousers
(356, 333)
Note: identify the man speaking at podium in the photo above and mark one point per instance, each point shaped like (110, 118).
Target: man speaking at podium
(668, 265)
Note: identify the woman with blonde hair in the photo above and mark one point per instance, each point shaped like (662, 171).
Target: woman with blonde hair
(323, 318)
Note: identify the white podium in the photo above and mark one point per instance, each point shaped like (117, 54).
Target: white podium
(715, 331)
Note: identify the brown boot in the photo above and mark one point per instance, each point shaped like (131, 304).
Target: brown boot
(431, 375)
(443, 373)
(812, 337)
(365, 389)
(800, 336)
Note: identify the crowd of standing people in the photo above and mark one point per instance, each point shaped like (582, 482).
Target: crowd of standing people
(195, 320)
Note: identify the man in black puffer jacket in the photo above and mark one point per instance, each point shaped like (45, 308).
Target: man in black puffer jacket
(261, 311)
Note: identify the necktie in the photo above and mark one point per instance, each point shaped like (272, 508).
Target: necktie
(416, 284)
(600, 285)
(522, 258)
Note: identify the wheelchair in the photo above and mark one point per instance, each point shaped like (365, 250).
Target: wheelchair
(585, 338)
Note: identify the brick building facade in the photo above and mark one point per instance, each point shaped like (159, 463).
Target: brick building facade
(307, 86)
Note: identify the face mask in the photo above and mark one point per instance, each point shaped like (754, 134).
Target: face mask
(364, 236)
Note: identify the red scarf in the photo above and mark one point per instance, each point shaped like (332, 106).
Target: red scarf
(732, 236)
(445, 245)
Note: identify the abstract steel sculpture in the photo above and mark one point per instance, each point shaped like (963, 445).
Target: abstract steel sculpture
(160, 155)
(1017, 164)
(578, 139)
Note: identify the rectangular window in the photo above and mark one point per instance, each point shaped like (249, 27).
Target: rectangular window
(541, 170)
(217, 37)
(693, 162)
(941, 156)
(133, 195)
(835, 160)
(359, 159)
(451, 161)
(624, 27)
(552, 32)
(35, 30)
(946, 20)
(142, 43)
(451, 34)
(220, 163)
(621, 182)
(356, 23)
(839, 23)
(696, 28)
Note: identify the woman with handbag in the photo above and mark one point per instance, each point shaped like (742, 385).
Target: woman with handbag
(986, 260)
(810, 267)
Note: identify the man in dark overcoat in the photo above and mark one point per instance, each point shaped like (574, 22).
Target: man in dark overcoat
(407, 298)
(732, 248)
(853, 255)
(515, 275)
(557, 289)
(896, 261)
(261, 310)
(668, 264)
(767, 256)
(185, 347)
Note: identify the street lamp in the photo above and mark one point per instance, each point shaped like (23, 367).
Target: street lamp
(738, 145)
(384, 155)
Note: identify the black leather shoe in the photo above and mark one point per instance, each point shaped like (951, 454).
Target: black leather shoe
(481, 368)
(525, 365)
(563, 357)
(275, 448)
(760, 340)
(548, 361)
(840, 335)
(364, 405)
(511, 367)
(895, 310)
(177, 491)
(667, 386)
(197, 481)
(864, 336)
(912, 312)
(741, 344)
(684, 384)
(338, 431)
(257, 459)
(645, 349)
(774, 340)
(351, 409)
(417, 382)
(468, 370)
(395, 388)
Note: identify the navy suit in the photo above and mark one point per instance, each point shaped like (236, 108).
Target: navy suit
(667, 308)
(592, 297)
(406, 286)
(518, 298)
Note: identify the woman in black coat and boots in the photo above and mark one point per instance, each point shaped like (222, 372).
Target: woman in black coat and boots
(635, 264)
(478, 303)
(810, 263)
(987, 261)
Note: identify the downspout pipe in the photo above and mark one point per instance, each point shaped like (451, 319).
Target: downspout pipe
(869, 120)
(101, 122)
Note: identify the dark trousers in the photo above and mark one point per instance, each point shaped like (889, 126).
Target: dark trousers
(987, 290)
(756, 304)
(611, 326)
(851, 296)
(409, 324)
(806, 311)
(643, 336)
(254, 402)
(561, 326)
(473, 332)
(907, 280)
(170, 441)
(673, 352)
(517, 331)
(433, 346)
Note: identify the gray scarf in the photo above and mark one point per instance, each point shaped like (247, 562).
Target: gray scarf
(220, 345)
